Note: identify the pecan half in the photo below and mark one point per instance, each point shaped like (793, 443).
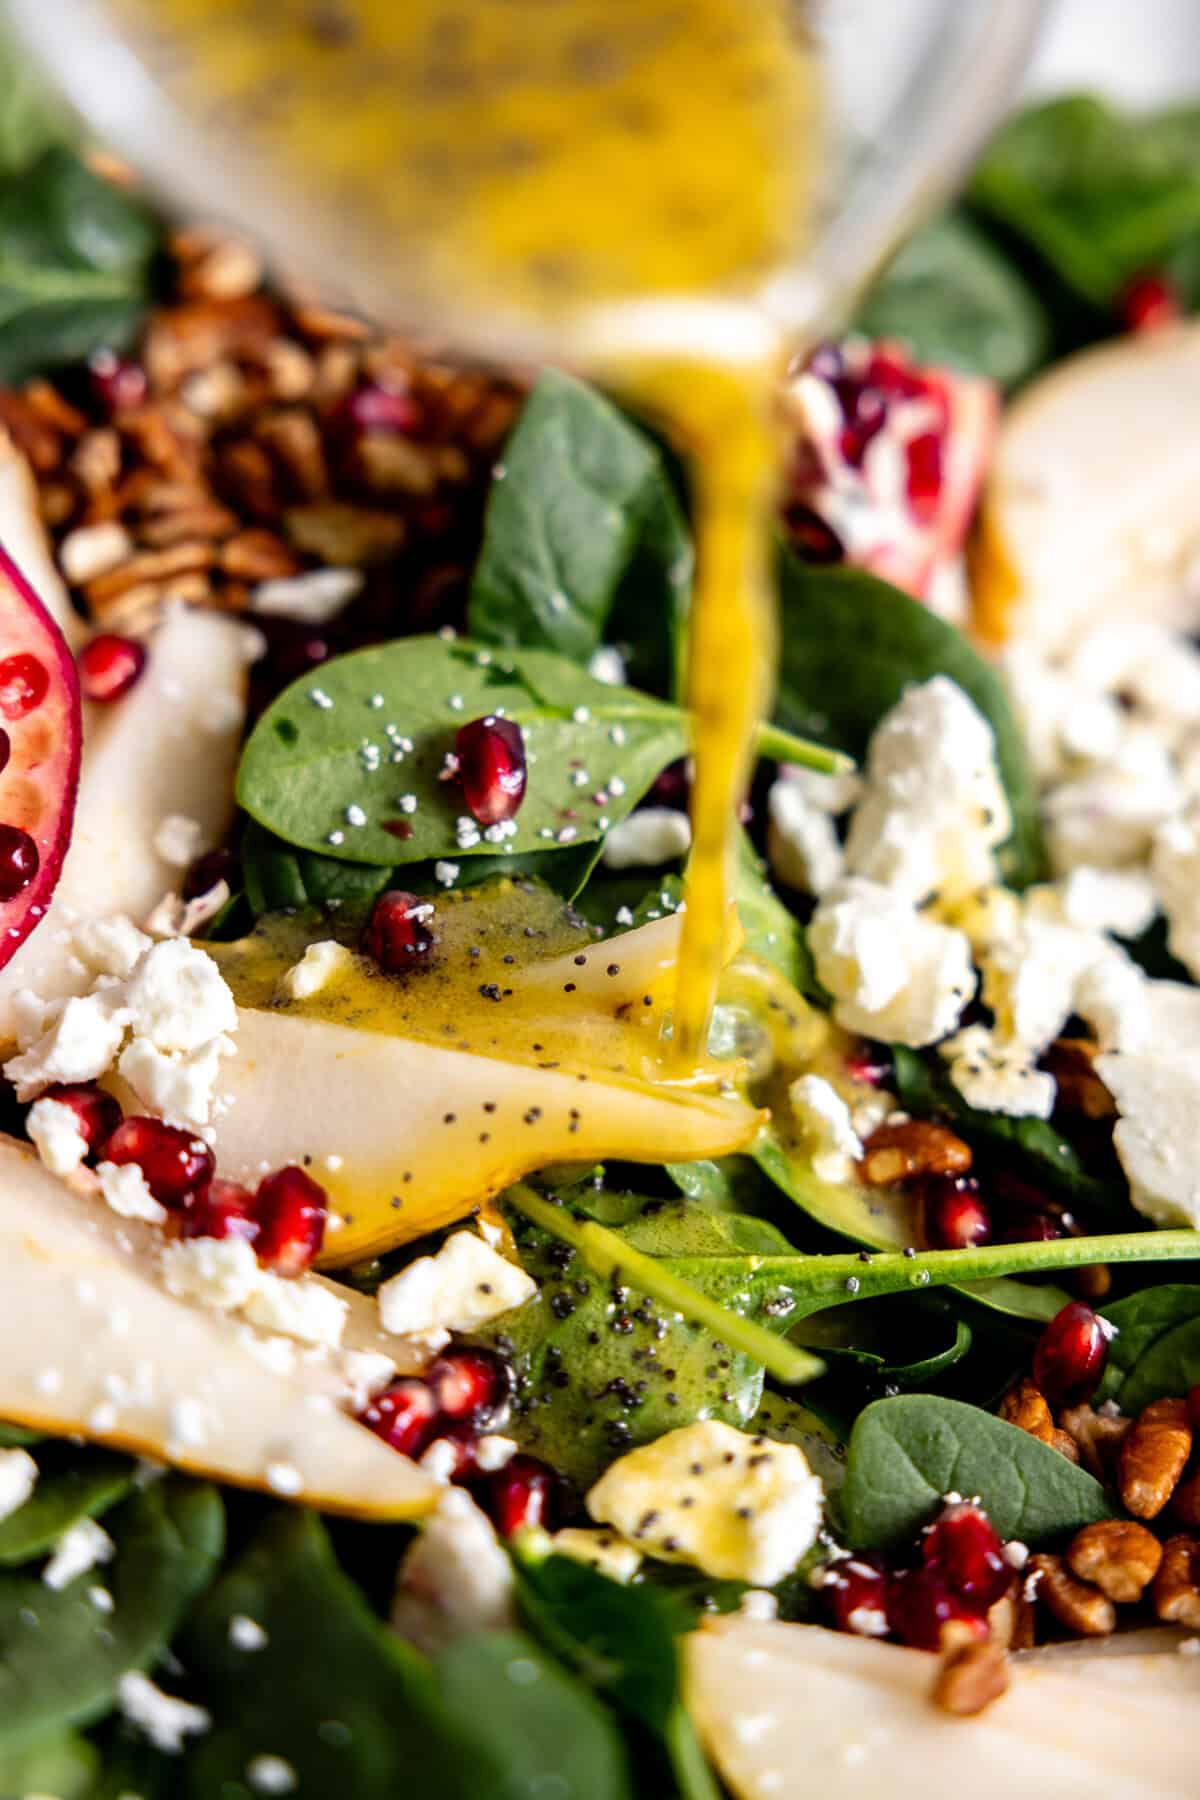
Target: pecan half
(1176, 1591)
(1076, 1604)
(1071, 1062)
(1118, 1556)
(1099, 1436)
(970, 1678)
(914, 1147)
(1025, 1407)
(1010, 1619)
(1185, 1501)
(1153, 1457)
(1065, 1444)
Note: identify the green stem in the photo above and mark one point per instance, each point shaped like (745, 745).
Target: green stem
(610, 1257)
(773, 741)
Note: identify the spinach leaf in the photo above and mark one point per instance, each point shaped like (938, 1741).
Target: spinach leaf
(72, 1484)
(851, 645)
(60, 1658)
(906, 1453)
(16, 1437)
(953, 298)
(1139, 1320)
(582, 519)
(303, 772)
(916, 1373)
(31, 119)
(1169, 1367)
(772, 932)
(64, 1766)
(75, 265)
(278, 877)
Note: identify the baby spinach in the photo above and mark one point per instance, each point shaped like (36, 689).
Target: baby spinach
(280, 877)
(917, 1372)
(1138, 1321)
(72, 1484)
(772, 932)
(906, 1453)
(1171, 1366)
(16, 1437)
(851, 644)
(63, 1766)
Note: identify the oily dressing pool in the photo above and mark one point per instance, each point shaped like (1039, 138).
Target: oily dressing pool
(621, 177)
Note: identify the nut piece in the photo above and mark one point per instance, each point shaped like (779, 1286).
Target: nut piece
(915, 1147)
(1153, 1457)
(970, 1678)
(1071, 1061)
(1099, 1436)
(1076, 1604)
(1065, 1444)
(1010, 1620)
(1185, 1501)
(1117, 1556)
(1176, 1592)
(1025, 1407)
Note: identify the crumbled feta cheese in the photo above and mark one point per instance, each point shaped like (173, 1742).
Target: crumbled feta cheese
(440, 1461)
(166, 1721)
(109, 946)
(463, 1286)
(455, 1579)
(802, 844)
(78, 1045)
(125, 1189)
(601, 1550)
(364, 1372)
(893, 974)
(179, 1087)
(1118, 900)
(31, 1016)
(825, 1122)
(246, 1633)
(997, 1076)
(54, 1129)
(300, 1309)
(82, 1546)
(284, 1478)
(493, 1451)
(271, 1775)
(833, 794)
(1175, 867)
(1158, 1102)
(607, 665)
(178, 998)
(313, 598)
(18, 1478)
(1107, 817)
(173, 916)
(740, 1508)
(179, 840)
(219, 1272)
(446, 873)
(319, 964)
(656, 834)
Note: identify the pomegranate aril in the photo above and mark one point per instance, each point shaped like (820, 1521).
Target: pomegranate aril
(1070, 1355)
(473, 1384)
(1149, 302)
(5, 749)
(174, 1162)
(223, 1209)
(815, 541)
(954, 1215)
(453, 1448)
(964, 1547)
(1034, 1228)
(397, 936)
(491, 767)
(206, 872)
(523, 1492)
(673, 787)
(24, 684)
(292, 1210)
(19, 861)
(97, 1114)
(372, 408)
(404, 1415)
(870, 1063)
(924, 455)
(857, 1590)
(109, 665)
(118, 385)
(927, 1614)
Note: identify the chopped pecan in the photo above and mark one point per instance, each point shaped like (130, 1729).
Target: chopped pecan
(1153, 1457)
(48, 404)
(220, 269)
(345, 536)
(1176, 1591)
(1093, 1282)
(258, 556)
(1076, 1604)
(199, 519)
(292, 437)
(150, 566)
(1065, 1444)
(1099, 1435)
(1010, 1619)
(1185, 1501)
(970, 1678)
(1071, 1062)
(913, 1147)
(1119, 1557)
(96, 459)
(1025, 1407)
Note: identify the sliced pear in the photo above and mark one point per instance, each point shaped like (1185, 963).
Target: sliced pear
(24, 537)
(95, 1346)
(1091, 496)
(788, 1711)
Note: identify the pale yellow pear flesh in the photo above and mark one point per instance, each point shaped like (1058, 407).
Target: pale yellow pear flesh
(792, 1711)
(23, 536)
(94, 1345)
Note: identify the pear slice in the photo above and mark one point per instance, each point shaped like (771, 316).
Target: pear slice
(94, 1345)
(789, 1711)
(23, 535)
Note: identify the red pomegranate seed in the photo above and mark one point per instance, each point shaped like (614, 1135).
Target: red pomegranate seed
(954, 1215)
(1149, 302)
(397, 935)
(924, 455)
(24, 684)
(374, 408)
(888, 370)
(870, 1063)
(404, 1415)
(223, 1209)
(1070, 1355)
(19, 861)
(454, 1448)
(291, 1209)
(964, 1547)
(5, 749)
(491, 767)
(175, 1163)
(1034, 1228)
(473, 1384)
(109, 666)
(118, 385)
(97, 1114)
(925, 1611)
(521, 1493)
(206, 872)
(815, 541)
(857, 1590)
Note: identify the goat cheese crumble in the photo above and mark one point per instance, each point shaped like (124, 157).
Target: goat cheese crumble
(463, 1286)
(894, 973)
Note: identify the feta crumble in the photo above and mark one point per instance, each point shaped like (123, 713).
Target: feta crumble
(54, 1129)
(160, 1717)
(654, 835)
(455, 1578)
(313, 598)
(319, 964)
(893, 974)
(1158, 1102)
(825, 1121)
(82, 1546)
(125, 1189)
(18, 1478)
(995, 1076)
(179, 840)
(79, 1043)
(802, 845)
(219, 1272)
(299, 1309)
(463, 1286)
(179, 1087)
(178, 998)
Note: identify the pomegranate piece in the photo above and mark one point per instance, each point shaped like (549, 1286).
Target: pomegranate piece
(109, 665)
(397, 936)
(857, 1590)
(523, 1492)
(454, 1449)
(491, 767)
(473, 1384)
(372, 408)
(964, 1548)
(954, 1214)
(223, 1209)
(291, 1209)
(870, 1063)
(97, 1114)
(39, 757)
(927, 1614)
(404, 1415)
(1070, 1355)
(119, 385)
(1149, 302)
(175, 1163)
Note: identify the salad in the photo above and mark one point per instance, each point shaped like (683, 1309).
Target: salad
(410, 1383)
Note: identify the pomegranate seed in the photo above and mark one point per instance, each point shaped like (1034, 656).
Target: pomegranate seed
(815, 541)
(673, 786)
(954, 1215)
(858, 1591)
(118, 385)
(206, 872)
(396, 932)
(24, 684)
(223, 1209)
(175, 1163)
(97, 1114)
(926, 1612)
(5, 749)
(521, 1493)
(890, 372)
(404, 1415)
(1034, 1228)
(473, 1384)
(109, 666)
(491, 767)
(1070, 1355)
(924, 455)
(1148, 303)
(458, 1441)
(965, 1549)
(374, 408)
(291, 1209)
(19, 861)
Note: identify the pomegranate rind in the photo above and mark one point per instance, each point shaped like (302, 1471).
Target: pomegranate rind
(55, 730)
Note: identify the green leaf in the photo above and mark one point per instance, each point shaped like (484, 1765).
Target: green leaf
(916, 1373)
(1171, 1366)
(839, 697)
(72, 1484)
(582, 520)
(906, 1453)
(1139, 1320)
(31, 119)
(279, 877)
(60, 1658)
(16, 1437)
(772, 932)
(75, 265)
(63, 1766)
(952, 298)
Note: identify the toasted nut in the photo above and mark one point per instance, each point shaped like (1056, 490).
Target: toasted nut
(393, 464)
(322, 323)
(150, 566)
(1176, 1591)
(226, 270)
(217, 394)
(49, 405)
(1071, 1062)
(1117, 1556)
(1065, 1444)
(291, 435)
(1010, 1620)
(291, 372)
(1099, 1436)
(258, 556)
(337, 371)
(1153, 1457)
(1025, 1407)
(207, 519)
(96, 459)
(92, 551)
(1076, 1604)
(915, 1147)
(345, 536)
(1185, 1501)
(1093, 1282)
(970, 1678)
(56, 500)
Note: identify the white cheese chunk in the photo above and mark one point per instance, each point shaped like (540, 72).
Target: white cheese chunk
(179, 840)
(1158, 1100)
(178, 998)
(109, 946)
(1122, 901)
(825, 1122)
(179, 1087)
(463, 1286)
(802, 844)
(893, 974)
(455, 1578)
(54, 1130)
(125, 1189)
(319, 964)
(164, 1720)
(18, 1478)
(313, 598)
(299, 1309)
(81, 1547)
(78, 1045)
(653, 835)
(219, 1272)
(1175, 867)
(996, 1076)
